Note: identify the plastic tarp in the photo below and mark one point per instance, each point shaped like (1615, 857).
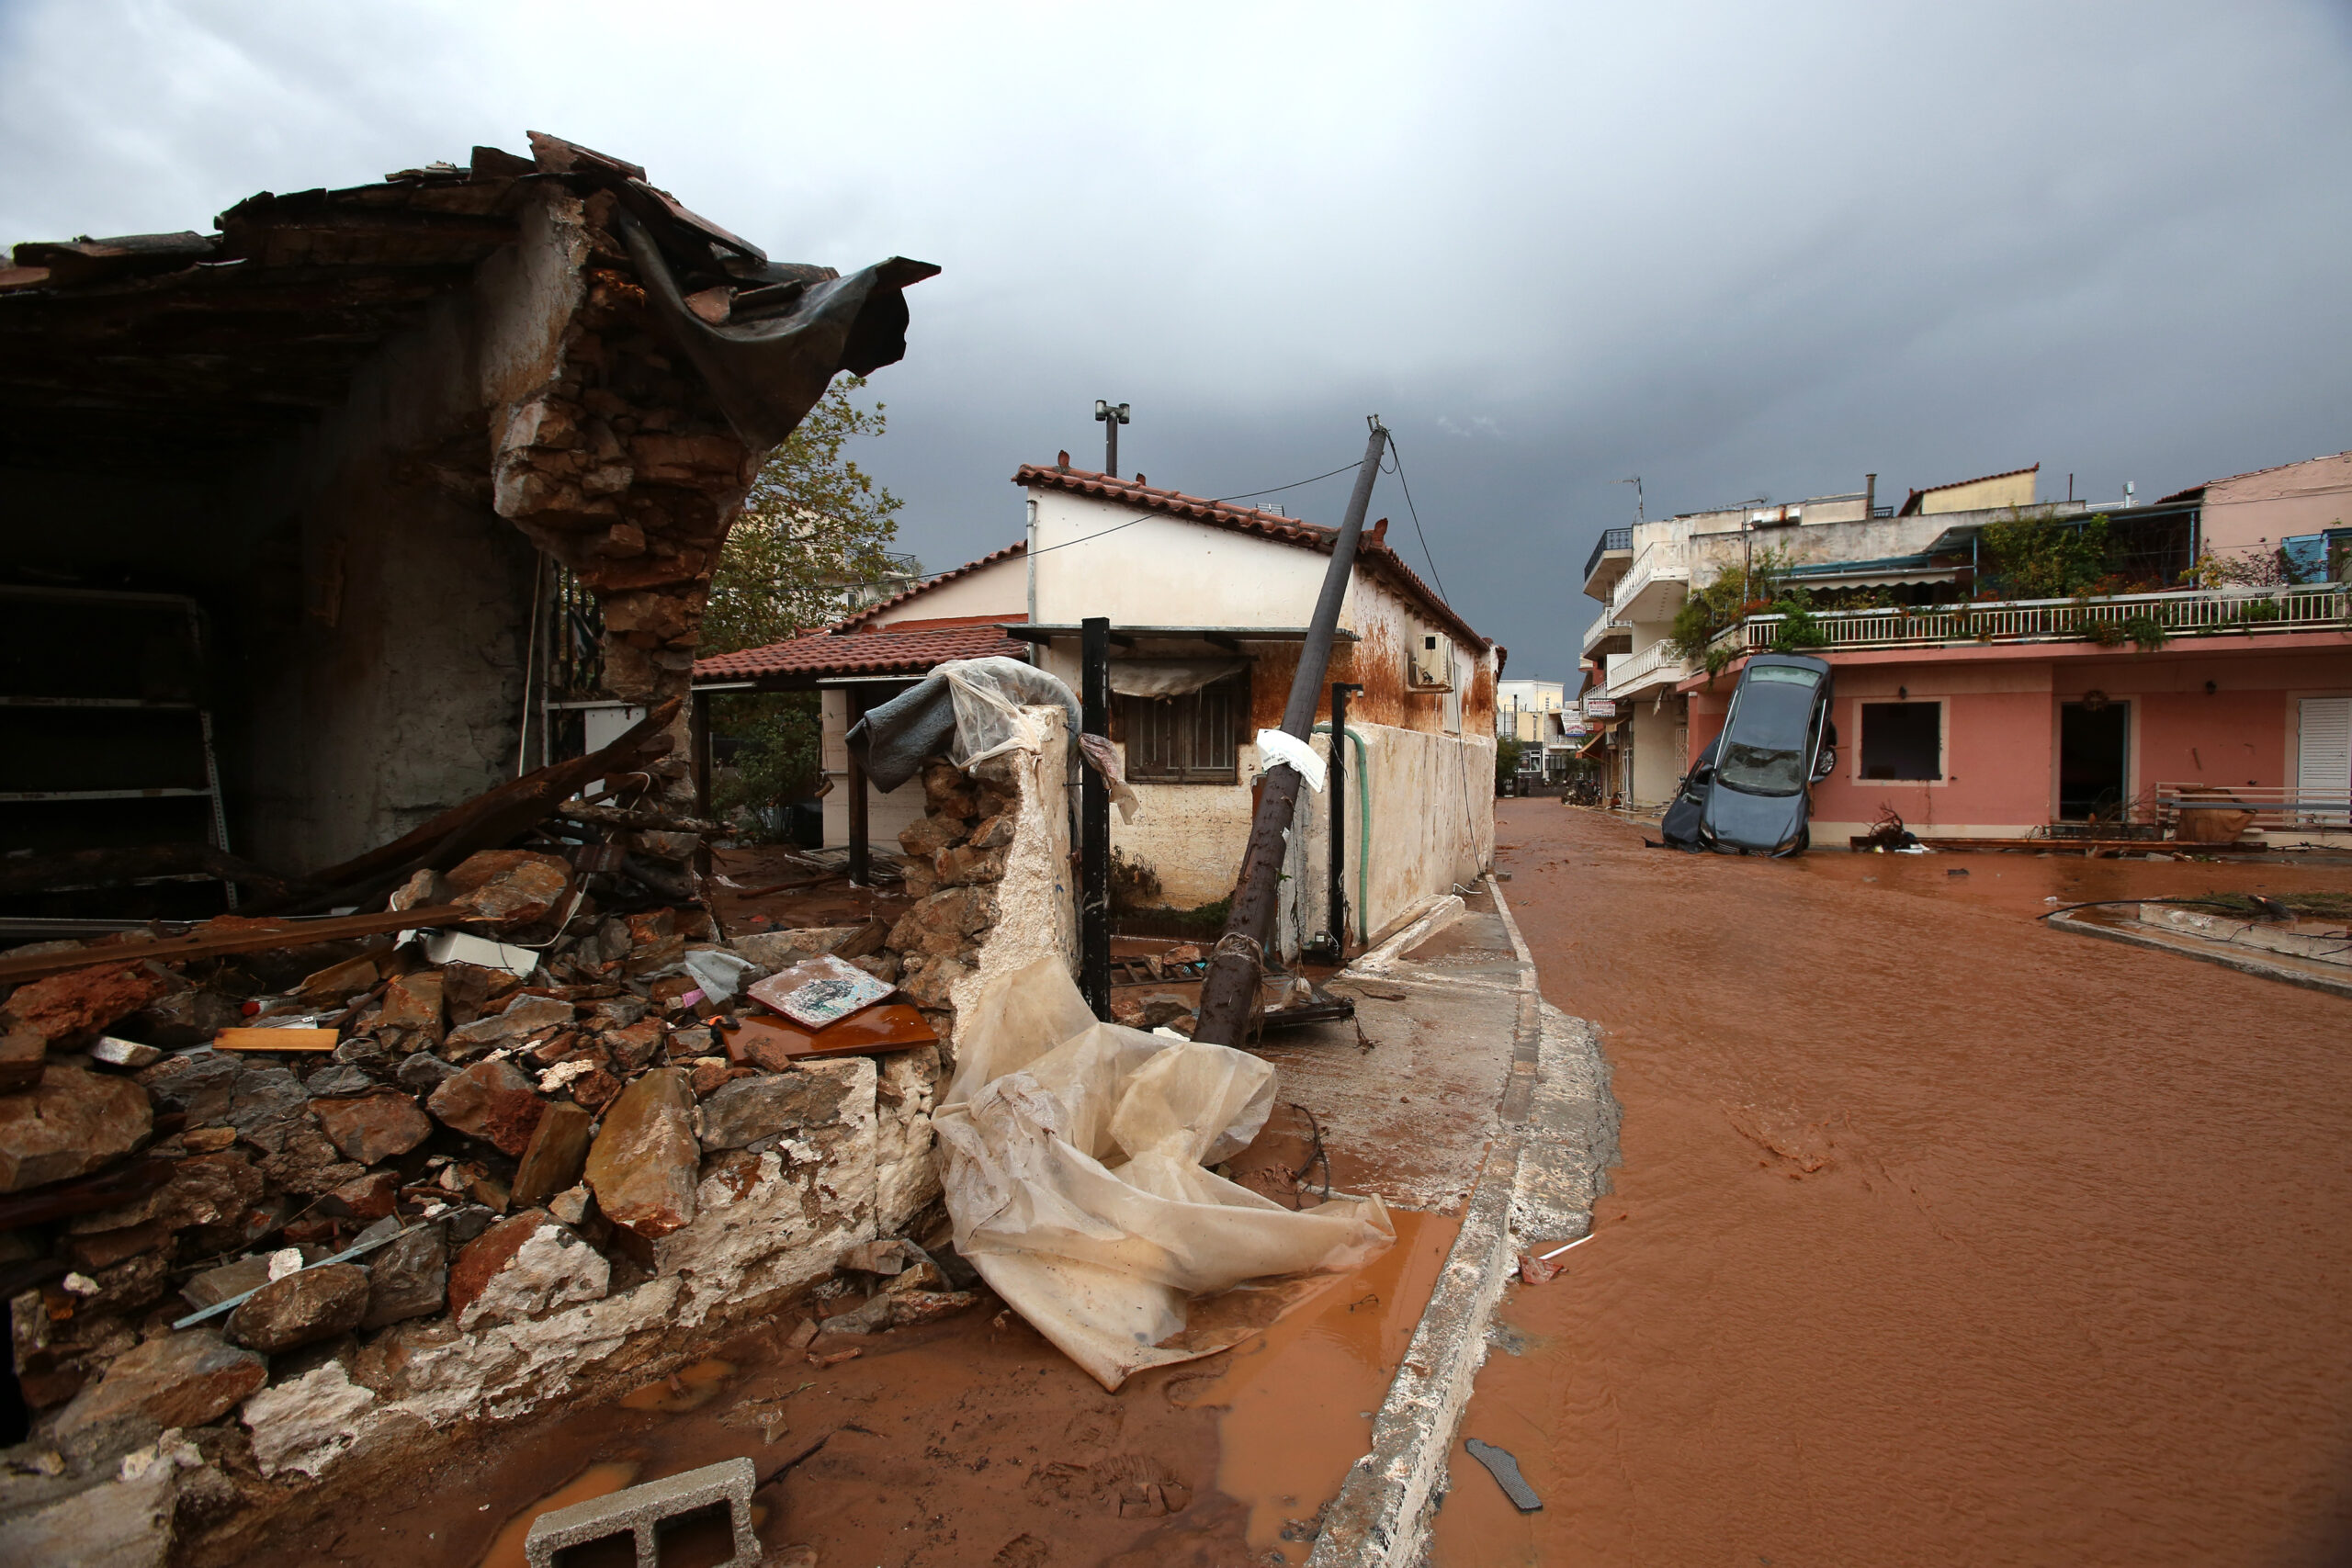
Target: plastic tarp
(1073, 1154)
(966, 710)
(1170, 677)
(1276, 746)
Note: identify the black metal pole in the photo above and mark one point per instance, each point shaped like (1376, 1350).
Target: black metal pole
(861, 871)
(1338, 786)
(1094, 820)
(1231, 984)
(1110, 447)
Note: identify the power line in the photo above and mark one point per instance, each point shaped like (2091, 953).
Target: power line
(1276, 490)
(1415, 510)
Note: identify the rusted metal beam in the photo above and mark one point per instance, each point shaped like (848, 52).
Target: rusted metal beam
(1238, 961)
(249, 938)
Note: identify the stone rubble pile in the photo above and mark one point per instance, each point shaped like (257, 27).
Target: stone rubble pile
(564, 1166)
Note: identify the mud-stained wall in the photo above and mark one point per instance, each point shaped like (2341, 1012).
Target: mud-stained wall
(1420, 818)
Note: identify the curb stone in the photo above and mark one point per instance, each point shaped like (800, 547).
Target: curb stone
(1559, 1135)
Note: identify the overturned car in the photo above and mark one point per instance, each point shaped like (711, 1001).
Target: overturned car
(1750, 791)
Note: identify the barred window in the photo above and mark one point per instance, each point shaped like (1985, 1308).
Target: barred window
(1188, 740)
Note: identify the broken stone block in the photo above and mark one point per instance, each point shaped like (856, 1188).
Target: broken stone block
(104, 1249)
(710, 1074)
(509, 889)
(302, 1309)
(1126, 1011)
(513, 1119)
(619, 1012)
(634, 1045)
(947, 792)
(184, 1018)
(114, 1053)
(774, 951)
(552, 1269)
(945, 922)
(304, 1425)
(963, 865)
(202, 1084)
(692, 1043)
(524, 1018)
(265, 1105)
(469, 990)
(556, 1154)
(906, 1176)
(204, 1190)
(423, 891)
(644, 1164)
(930, 987)
(216, 1285)
(372, 1197)
(995, 832)
(573, 1206)
(423, 1072)
(465, 1100)
(62, 1008)
(926, 836)
(752, 1108)
(412, 1003)
(190, 1378)
(338, 983)
(338, 1082)
(70, 1123)
(23, 1053)
(595, 1088)
(407, 1277)
(375, 1128)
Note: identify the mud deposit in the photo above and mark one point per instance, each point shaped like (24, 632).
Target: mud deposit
(970, 1442)
(1939, 1238)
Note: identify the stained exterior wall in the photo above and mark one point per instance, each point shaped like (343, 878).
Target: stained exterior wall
(2252, 510)
(2001, 711)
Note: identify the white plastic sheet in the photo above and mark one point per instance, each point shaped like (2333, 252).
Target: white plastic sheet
(1073, 1154)
(1282, 746)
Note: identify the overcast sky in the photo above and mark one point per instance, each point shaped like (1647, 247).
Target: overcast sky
(1738, 250)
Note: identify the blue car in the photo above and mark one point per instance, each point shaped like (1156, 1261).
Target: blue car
(1751, 792)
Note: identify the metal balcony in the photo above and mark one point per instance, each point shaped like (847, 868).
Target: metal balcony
(1610, 555)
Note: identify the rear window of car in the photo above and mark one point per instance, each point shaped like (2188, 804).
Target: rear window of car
(1789, 673)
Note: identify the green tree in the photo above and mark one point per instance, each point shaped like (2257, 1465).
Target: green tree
(2042, 557)
(812, 542)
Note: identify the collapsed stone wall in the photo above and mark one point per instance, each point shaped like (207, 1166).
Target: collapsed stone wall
(622, 466)
(595, 1182)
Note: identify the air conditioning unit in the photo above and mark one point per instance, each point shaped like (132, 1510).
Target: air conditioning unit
(1431, 667)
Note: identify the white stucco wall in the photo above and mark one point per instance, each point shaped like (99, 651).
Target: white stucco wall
(887, 815)
(1160, 570)
(999, 589)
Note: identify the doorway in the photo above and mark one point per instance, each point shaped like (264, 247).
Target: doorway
(2093, 759)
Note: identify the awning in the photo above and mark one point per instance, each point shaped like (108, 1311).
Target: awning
(1170, 677)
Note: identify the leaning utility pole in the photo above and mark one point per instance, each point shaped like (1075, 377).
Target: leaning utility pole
(1231, 987)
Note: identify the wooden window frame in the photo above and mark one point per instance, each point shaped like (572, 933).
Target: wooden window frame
(1160, 749)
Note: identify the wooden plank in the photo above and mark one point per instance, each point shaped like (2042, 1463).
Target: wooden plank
(244, 939)
(773, 1043)
(275, 1040)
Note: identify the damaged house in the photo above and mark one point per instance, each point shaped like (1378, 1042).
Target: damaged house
(1205, 601)
(369, 1067)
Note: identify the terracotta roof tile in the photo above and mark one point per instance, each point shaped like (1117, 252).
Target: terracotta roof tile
(858, 653)
(1372, 550)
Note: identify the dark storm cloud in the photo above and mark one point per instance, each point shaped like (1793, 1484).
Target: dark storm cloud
(1737, 250)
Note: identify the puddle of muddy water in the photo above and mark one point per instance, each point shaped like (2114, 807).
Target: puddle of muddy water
(597, 1480)
(1298, 1401)
(689, 1388)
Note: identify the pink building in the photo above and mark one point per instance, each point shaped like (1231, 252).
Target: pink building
(1994, 720)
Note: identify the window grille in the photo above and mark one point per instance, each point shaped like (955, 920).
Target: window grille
(1192, 738)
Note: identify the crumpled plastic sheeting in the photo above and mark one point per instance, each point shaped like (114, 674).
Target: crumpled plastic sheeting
(966, 710)
(1275, 746)
(1073, 1156)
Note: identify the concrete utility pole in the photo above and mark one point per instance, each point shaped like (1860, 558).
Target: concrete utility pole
(1231, 987)
(1110, 416)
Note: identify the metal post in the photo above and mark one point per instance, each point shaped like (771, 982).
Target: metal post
(1231, 986)
(861, 871)
(1337, 786)
(1111, 415)
(1094, 818)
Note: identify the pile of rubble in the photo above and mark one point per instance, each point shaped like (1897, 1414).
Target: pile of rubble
(510, 1161)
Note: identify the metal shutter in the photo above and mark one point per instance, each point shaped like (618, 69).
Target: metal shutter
(2324, 759)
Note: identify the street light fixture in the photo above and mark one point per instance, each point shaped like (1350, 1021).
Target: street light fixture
(1110, 416)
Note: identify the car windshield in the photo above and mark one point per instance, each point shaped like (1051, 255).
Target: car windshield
(1764, 749)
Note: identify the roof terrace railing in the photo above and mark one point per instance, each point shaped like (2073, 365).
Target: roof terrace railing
(1610, 539)
(2112, 620)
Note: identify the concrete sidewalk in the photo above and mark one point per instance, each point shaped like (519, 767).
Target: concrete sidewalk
(1484, 1097)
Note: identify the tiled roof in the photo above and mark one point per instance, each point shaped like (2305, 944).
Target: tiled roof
(858, 653)
(1911, 502)
(969, 567)
(1372, 550)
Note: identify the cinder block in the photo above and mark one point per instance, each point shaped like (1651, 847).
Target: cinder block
(635, 1510)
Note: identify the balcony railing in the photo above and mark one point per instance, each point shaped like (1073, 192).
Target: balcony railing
(1602, 630)
(2189, 613)
(1659, 560)
(1655, 664)
(1610, 539)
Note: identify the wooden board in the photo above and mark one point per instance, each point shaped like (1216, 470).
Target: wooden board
(253, 938)
(275, 1040)
(772, 1042)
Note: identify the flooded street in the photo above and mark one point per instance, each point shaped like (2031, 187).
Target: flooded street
(1940, 1236)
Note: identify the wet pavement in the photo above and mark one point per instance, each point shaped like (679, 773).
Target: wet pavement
(1939, 1236)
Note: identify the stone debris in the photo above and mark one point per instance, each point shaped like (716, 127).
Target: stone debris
(301, 1308)
(567, 1162)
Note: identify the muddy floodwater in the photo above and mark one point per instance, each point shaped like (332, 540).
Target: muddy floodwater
(1940, 1236)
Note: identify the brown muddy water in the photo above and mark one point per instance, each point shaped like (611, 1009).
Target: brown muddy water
(1940, 1236)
